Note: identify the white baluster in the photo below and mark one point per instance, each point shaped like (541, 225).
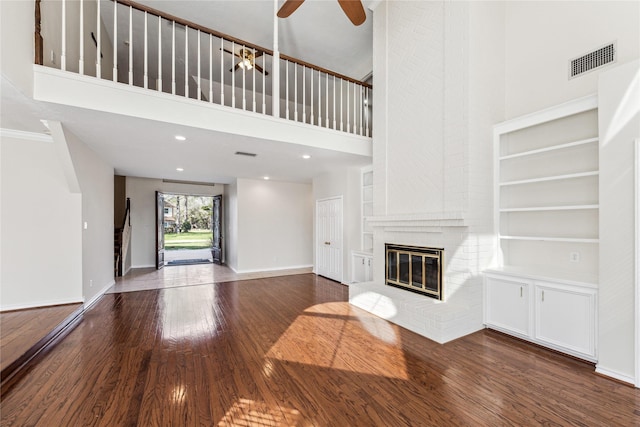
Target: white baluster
(334, 102)
(186, 61)
(295, 91)
(130, 45)
(81, 59)
(159, 82)
(361, 103)
(254, 80)
(326, 105)
(233, 77)
(341, 106)
(304, 94)
(221, 71)
(199, 85)
(146, 52)
(115, 41)
(355, 109)
(319, 99)
(244, 79)
(63, 49)
(173, 57)
(264, 87)
(348, 109)
(366, 111)
(311, 103)
(98, 44)
(211, 68)
(287, 88)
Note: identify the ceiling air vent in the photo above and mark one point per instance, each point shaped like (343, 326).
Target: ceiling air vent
(592, 60)
(244, 153)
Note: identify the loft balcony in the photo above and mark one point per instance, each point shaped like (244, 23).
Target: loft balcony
(120, 57)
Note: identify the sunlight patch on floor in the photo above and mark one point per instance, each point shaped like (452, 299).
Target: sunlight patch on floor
(328, 335)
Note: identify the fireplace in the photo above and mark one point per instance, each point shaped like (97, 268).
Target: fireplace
(416, 269)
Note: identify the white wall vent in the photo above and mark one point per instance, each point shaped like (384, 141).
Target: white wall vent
(592, 60)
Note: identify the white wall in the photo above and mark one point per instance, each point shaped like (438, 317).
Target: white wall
(543, 36)
(619, 122)
(17, 43)
(275, 225)
(41, 243)
(343, 182)
(231, 225)
(95, 177)
(142, 192)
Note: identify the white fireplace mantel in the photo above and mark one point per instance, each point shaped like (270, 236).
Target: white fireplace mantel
(424, 220)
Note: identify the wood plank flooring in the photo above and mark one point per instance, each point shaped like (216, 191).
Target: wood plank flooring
(21, 329)
(290, 351)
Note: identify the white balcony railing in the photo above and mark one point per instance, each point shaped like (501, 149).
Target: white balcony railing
(132, 44)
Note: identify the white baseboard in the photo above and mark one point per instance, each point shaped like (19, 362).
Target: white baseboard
(96, 297)
(259, 270)
(615, 375)
(39, 304)
(142, 266)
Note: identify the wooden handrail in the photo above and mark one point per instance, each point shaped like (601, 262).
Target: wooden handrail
(236, 40)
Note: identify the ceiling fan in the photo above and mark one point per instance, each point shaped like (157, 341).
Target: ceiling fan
(247, 60)
(352, 8)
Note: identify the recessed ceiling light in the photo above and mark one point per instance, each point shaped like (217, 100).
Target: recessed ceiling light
(266, 178)
(180, 169)
(180, 138)
(306, 156)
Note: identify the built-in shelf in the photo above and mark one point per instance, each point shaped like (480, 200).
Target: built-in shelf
(551, 148)
(550, 208)
(550, 239)
(366, 208)
(550, 178)
(546, 191)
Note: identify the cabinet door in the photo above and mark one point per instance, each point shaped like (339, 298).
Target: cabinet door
(565, 319)
(507, 305)
(368, 269)
(358, 273)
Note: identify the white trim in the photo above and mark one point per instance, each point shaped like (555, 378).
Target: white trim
(88, 305)
(569, 108)
(637, 262)
(613, 374)
(260, 270)
(142, 266)
(21, 134)
(39, 304)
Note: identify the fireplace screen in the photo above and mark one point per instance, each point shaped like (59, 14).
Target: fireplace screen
(415, 268)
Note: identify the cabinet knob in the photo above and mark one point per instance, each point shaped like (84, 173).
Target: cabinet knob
(362, 261)
(542, 296)
(327, 243)
(520, 291)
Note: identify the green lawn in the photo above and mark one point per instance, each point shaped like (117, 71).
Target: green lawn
(195, 239)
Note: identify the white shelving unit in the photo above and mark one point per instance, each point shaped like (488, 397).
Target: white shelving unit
(546, 174)
(544, 288)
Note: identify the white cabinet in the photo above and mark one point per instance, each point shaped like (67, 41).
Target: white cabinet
(558, 314)
(507, 305)
(361, 267)
(565, 318)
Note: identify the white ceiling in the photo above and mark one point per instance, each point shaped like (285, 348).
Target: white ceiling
(318, 32)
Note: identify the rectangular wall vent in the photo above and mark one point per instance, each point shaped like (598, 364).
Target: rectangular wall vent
(592, 60)
(244, 153)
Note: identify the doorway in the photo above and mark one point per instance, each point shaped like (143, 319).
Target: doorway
(329, 238)
(188, 229)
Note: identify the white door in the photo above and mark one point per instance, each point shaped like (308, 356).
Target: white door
(329, 238)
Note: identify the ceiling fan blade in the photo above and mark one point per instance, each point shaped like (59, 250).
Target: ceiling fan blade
(232, 53)
(235, 68)
(289, 7)
(258, 54)
(259, 68)
(354, 11)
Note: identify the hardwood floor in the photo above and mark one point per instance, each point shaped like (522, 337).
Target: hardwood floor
(21, 329)
(291, 351)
